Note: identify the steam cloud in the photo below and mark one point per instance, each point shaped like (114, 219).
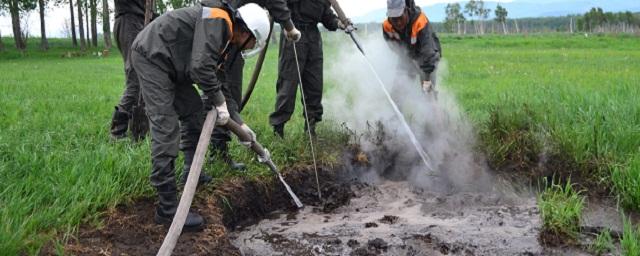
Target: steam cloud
(440, 126)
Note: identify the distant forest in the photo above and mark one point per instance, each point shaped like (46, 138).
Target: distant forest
(473, 20)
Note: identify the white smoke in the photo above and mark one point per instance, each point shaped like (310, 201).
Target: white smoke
(439, 125)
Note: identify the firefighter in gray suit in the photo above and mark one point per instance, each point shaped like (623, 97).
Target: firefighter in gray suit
(232, 88)
(129, 22)
(306, 14)
(181, 48)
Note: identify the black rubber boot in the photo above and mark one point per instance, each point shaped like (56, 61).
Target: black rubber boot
(220, 150)
(278, 130)
(119, 124)
(167, 206)
(188, 159)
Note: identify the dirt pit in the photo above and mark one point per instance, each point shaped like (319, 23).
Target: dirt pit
(392, 218)
(357, 216)
(248, 217)
(129, 229)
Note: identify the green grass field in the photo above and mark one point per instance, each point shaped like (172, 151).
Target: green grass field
(569, 95)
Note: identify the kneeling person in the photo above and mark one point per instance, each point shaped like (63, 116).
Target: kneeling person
(176, 50)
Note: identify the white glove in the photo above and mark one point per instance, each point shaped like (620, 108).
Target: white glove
(348, 27)
(427, 86)
(265, 158)
(248, 130)
(293, 35)
(223, 114)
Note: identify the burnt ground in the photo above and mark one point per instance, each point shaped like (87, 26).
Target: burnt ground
(130, 229)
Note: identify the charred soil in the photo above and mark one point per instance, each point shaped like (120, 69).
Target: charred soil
(130, 229)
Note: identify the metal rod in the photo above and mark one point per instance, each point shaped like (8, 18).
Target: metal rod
(306, 116)
(264, 156)
(343, 17)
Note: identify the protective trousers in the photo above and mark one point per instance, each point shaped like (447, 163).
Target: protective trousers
(310, 57)
(126, 28)
(175, 117)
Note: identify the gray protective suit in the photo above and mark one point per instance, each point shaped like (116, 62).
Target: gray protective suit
(181, 48)
(306, 14)
(129, 16)
(234, 67)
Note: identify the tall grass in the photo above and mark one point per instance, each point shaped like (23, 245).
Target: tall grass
(626, 181)
(58, 167)
(561, 210)
(630, 241)
(572, 96)
(603, 243)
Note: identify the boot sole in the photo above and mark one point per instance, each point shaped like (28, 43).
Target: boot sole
(167, 223)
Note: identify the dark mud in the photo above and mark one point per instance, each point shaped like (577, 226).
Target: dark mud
(404, 215)
(394, 219)
(356, 217)
(130, 229)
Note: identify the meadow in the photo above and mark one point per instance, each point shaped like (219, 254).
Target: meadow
(569, 98)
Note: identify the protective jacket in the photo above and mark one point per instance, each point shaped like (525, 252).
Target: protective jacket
(130, 6)
(418, 39)
(312, 12)
(190, 44)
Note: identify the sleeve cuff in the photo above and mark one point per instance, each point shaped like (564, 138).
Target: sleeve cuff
(217, 98)
(288, 25)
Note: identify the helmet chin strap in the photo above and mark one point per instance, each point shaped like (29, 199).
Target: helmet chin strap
(236, 53)
(246, 42)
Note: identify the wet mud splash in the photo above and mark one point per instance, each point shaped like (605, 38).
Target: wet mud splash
(130, 230)
(357, 216)
(393, 218)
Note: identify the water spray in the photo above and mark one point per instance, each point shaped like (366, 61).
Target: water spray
(403, 121)
(306, 117)
(423, 155)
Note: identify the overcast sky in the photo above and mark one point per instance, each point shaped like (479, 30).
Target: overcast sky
(56, 16)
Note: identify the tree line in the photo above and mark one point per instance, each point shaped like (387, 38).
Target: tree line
(596, 20)
(86, 11)
(86, 14)
(473, 17)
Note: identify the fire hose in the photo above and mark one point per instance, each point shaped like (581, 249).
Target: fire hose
(256, 71)
(194, 174)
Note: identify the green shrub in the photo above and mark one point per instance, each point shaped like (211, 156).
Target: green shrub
(626, 183)
(561, 210)
(630, 242)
